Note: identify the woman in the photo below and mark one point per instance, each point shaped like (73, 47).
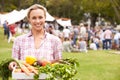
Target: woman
(37, 42)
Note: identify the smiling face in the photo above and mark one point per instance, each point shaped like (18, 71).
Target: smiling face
(36, 18)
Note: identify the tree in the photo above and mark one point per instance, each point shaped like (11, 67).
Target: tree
(74, 9)
(64, 8)
(2, 6)
(116, 8)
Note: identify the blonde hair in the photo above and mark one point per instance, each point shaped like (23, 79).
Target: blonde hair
(34, 7)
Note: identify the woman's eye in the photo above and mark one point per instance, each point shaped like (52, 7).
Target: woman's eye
(33, 17)
(40, 17)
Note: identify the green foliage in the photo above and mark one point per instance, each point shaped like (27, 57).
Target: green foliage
(74, 9)
(4, 70)
(64, 70)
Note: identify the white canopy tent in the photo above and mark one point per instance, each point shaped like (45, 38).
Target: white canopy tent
(64, 23)
(118, 27)
(49, 17)
(9, 16)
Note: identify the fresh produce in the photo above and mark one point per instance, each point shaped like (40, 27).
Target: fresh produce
(64, 69)
(30, 59)
(41, 62)
(26, 68)
(5, 73)
(30, 68)
(18, 70)
(44, 62)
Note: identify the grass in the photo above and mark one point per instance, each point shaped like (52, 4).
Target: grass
(95, 65)
(5, 47)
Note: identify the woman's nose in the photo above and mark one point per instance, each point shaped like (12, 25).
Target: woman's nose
(37, 20)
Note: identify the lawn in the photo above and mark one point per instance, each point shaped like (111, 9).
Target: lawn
(94, 65)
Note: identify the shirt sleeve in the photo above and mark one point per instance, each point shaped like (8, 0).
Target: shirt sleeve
(57, 49)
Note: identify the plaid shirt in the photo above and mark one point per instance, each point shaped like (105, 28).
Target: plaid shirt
(50, 47)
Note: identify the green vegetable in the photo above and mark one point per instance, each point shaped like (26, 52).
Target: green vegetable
(64, 70)
(5, 73)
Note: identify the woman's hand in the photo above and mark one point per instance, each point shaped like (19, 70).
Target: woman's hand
(12, 65)
(54, 61)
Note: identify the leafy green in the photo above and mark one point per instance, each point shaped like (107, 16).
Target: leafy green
(5, 73)
(64, 70)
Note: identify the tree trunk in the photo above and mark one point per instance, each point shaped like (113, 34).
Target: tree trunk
(93, 20)
(19, 5)
(35, 1)
(115, 9)
(2, 6)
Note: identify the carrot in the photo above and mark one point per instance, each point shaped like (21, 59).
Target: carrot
(26, 64)
(18, 70)
(30, 68)
(25, 69)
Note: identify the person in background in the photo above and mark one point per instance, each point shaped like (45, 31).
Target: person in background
(12, 32)
(82, 45)
(93, 45)
(102, 39)
(88, 34)
(67, 46)
(6, 30)
(66, 32)
(51, 30)
(96, 40)
(37, 43)
(75, 35)
(108, 38)
(12, 29)
(116, 40)
(83, 30)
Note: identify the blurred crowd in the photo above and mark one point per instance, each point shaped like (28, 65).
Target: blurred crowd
(82, 37)
(76, 38)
